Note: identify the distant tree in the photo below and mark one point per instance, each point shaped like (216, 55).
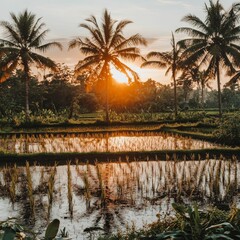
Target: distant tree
(214, 41)
(231, 98)
(171, 60)
(24, 36)
(59, 93)
(105, 48)
(15, 86)
(192, 74)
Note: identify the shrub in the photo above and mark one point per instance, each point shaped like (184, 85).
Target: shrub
(229, 130)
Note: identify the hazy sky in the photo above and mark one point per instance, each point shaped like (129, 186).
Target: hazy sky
(153, 19)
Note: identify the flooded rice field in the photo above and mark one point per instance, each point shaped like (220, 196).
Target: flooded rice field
(113, 195)
(99, 142)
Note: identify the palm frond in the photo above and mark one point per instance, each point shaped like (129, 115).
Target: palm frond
(233, 80)
(192, 32)
(120, 65)
(75, 43)
(13, 35)
(196, 22)
(43, 62)
(46, 46)
(156, 64)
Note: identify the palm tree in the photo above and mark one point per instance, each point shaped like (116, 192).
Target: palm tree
(191, 74)
(24, 38)
(171, 60)
(214, 41)
(106, 47)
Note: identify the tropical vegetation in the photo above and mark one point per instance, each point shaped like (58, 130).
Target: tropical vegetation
(214, 42)
(24, 36)
(171, 60)
(49, 111)
(105, 48)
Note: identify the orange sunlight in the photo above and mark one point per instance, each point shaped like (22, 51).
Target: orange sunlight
(118, 76)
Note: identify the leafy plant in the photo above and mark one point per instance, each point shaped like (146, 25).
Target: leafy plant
(196, 225)
(11, 230)
(229, 130)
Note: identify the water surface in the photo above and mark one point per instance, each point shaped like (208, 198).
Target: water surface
(113, 195)
(108, 142)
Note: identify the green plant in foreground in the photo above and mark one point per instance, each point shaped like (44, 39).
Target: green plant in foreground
(10, 230)
(189, 223)
(199, 225)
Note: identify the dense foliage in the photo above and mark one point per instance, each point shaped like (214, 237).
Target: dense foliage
(63, 94)
(229, 130)
(189, 223)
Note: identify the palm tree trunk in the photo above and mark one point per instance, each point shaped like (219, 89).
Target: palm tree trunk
(202, 97)
(107, 95)
(27, 100)
(27, 79)
(175, 95)
(219, 91)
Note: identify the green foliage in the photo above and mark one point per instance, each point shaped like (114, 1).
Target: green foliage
(52, 230)
(87, 103)
(229, 130)
(11, 230)
(189, 223)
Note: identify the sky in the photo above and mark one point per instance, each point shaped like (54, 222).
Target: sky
(153, 19)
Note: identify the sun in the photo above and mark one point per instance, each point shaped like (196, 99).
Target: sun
(118, 76)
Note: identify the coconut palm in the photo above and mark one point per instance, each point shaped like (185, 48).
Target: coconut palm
(171, 60)
(213, 42)
(107, 47)
(24, 39)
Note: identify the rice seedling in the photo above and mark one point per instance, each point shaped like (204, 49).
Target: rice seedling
(30, 189)
(12, 187)
(136, 184)
(101, 142)
(87, 190)
(70, 194)
(51, 183)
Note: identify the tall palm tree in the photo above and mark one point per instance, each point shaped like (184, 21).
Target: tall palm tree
(171, 60)
(214, 41)
(107, 47)
(24, 39)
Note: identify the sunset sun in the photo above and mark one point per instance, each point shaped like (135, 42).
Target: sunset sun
(118, 75)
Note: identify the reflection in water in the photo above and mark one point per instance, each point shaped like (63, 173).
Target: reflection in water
(101, 143)
(111, 195)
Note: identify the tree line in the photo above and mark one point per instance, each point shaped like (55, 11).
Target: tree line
(211, 49)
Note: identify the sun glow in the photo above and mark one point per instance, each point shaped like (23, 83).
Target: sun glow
(118, 76)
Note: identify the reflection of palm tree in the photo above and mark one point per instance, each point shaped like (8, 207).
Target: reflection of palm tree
(167, 59)
(105, 203)
(214, 41)
(105, 48)
(23, 36)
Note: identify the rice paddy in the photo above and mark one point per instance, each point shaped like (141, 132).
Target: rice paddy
(114, 195)
(111, 194)
(99, 142)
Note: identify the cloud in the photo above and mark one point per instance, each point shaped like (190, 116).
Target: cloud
(174, 2)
